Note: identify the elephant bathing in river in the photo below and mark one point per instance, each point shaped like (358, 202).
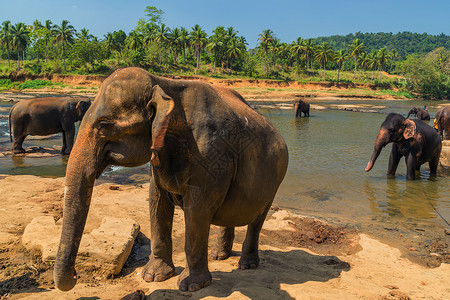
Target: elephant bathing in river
(443, 122)
(414, 139)
(420, 113)
(44, 116)
(301, 106)
(210, 153)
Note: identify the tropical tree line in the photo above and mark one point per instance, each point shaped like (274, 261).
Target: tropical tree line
(155, 46)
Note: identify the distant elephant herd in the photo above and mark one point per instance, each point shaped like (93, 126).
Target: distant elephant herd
(209, 153)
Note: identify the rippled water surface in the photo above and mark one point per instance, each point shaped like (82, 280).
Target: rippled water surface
(326, 178)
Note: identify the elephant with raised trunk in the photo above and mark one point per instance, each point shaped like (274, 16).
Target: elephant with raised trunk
(420, 113)
(413, 139)
(301, 106)
(210, 153)
(45, 116)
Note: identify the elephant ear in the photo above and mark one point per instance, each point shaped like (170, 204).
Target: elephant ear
(162, 107)
(409, 129)
(81, 108)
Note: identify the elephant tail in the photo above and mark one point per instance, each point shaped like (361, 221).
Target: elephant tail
(9, 122)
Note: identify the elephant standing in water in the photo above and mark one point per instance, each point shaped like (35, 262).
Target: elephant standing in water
(415, 140)
(45, 116)
(420, 113)
(210, 153)
(301, 106)
(443, 122)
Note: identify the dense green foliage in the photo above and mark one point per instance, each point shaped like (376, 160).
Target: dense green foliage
(48, 48)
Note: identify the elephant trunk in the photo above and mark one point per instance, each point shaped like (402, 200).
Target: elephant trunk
(80, 176)
(380, 143)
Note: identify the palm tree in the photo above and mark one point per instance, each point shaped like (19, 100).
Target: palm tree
(109, 41)
(355, 49)
(85, 35)
(37, 25)
(198, 37)
(364, 61)
(324, 53)
(265, 39)
(20, 39)
(234, 50)
(373, 62)
(383, 57)
(161, 36)
(309, 49)
(134, 40)
(64, 35)
(339, 58)
(215, 45)
(174, 39)
(298, 49)
(6, 38)
(184, 41)
(50, 32)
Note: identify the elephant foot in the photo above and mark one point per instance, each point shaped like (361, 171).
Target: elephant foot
(250, 261)
(193, 282)
(157, 270)
(220, 254)
(18, 151)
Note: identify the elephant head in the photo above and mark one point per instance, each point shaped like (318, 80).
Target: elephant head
(413, 111)
(81, 108)
(394, 129)
(125, 126)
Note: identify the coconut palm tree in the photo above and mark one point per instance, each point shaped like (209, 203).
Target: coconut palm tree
(266, 38)
(20, 39)
(373, 61)
(134, 40)
(184, 41)
(214, 46)
(109, 41)
(85, 35)
(340, 57)
(309, 49)
(161, 36)
(174, 40)
(297, 49)
(64, 35)
(50, 32)
(198, 37)
(324, 53)
(364, 61)
(6, 38)
(355, 49)
(234, 50)
(383, 57)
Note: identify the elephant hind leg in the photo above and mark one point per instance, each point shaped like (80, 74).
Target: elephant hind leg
(250, 257)
(17, 145)
(224, 244)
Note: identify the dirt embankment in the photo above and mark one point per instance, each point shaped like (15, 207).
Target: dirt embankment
(281, 89)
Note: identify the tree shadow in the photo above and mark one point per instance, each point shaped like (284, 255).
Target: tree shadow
(276, 269)
(20, 284)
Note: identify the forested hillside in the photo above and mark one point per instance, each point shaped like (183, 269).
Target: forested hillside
(404, 43)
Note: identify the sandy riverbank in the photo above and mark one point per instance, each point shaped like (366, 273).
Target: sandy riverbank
(301, 258)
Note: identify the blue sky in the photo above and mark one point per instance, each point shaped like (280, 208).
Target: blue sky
(288, 19)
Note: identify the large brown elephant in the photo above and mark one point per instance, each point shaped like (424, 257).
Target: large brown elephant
(210, 153)
(443, 122)
(45, 116)
(301, 106)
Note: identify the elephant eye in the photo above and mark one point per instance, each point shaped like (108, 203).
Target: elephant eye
(105, 125)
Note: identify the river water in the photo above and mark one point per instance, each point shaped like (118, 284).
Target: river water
(326, 179)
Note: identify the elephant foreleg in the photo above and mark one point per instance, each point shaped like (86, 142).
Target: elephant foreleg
(196, 275)
(69, 137)
(250, 257)
(64, 147)
(411, 166)
(224, 244)
(394, 160)
(160, 265)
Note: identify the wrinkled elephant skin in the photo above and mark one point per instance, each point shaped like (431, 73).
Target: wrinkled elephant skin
(210, 153)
